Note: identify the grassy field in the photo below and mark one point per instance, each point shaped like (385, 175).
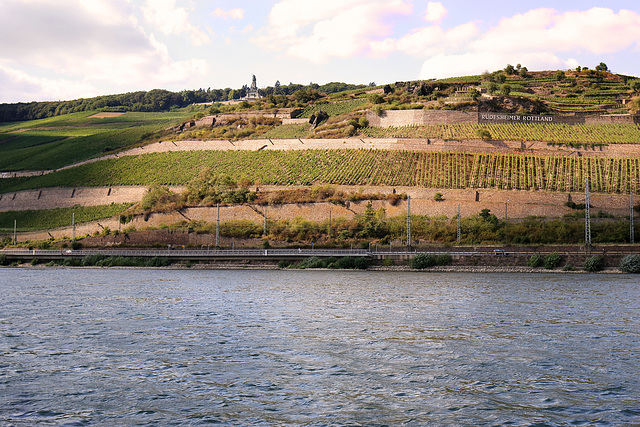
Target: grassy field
(59, 141)
(355, 167)
(60, 217)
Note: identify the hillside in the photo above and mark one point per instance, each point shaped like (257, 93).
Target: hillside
(313, 138)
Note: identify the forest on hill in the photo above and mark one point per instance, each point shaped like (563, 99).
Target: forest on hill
(156, 100)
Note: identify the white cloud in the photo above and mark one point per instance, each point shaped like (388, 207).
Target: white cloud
(18, 86)
(340, 28)
(541, 38)
(228, 14)
(538, 39)
(436, 12)
(71, 47)
(171, 19)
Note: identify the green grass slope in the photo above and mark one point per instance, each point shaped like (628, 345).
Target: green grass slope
(62, 140)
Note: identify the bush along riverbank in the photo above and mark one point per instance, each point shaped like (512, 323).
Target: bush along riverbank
(551, 262)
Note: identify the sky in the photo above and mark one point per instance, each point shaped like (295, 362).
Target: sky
(69, 49)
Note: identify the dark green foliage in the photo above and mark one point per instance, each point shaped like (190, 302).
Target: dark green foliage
(91, 260)
(422, 261)
(443, 259)
(345, 263)
(534, 261)
(630, 264)
(361, 263)
(70, 262)
(594, 263)
(552, 260)
(577, 206)
(158, 262)
(119, 261)
(3, 259)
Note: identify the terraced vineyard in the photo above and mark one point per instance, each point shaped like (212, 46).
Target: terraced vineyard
(59, 217)
(553, 133)
(357, 167)
(58, 141)
(334, 109)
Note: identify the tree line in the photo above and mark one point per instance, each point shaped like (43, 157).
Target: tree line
(156, 100)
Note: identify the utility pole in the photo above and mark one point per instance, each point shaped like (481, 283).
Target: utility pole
(587, 219)
(15, 229)
(408, 222)
(632, 232)
(329, 231)
(218, 225)
(459, 230)
(264, 226)
(73, 226)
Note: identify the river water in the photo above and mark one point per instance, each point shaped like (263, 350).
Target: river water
(190, 347)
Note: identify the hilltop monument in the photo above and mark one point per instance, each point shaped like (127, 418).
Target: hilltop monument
(252, 93)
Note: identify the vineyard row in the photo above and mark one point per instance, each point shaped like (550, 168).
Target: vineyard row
(554, 133)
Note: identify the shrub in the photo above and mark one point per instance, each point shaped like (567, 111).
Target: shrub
(344, 263)
(568, 267)
(91, 260)
(361, 263)
(438, 197)
(552, 260)
(630, 264)
(422, 261)
(284, 264)
(594, 263)
(534, 261)
(158, 262)
(3, 259)
(46, 244)
(443, 259)
(313, 262)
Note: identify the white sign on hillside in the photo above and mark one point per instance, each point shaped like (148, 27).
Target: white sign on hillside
(516, 118)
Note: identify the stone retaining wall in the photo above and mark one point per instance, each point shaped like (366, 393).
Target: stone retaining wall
(399, 118)
(515, 204)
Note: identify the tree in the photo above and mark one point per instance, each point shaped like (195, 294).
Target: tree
(505, 89)
(509, 70)
(523, 72)
(559, 76)
(602, 67)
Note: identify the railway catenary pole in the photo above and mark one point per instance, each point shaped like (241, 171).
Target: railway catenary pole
(218, 225)
(459, 234)
(408, 222)
(587, 219)
(632, 232)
